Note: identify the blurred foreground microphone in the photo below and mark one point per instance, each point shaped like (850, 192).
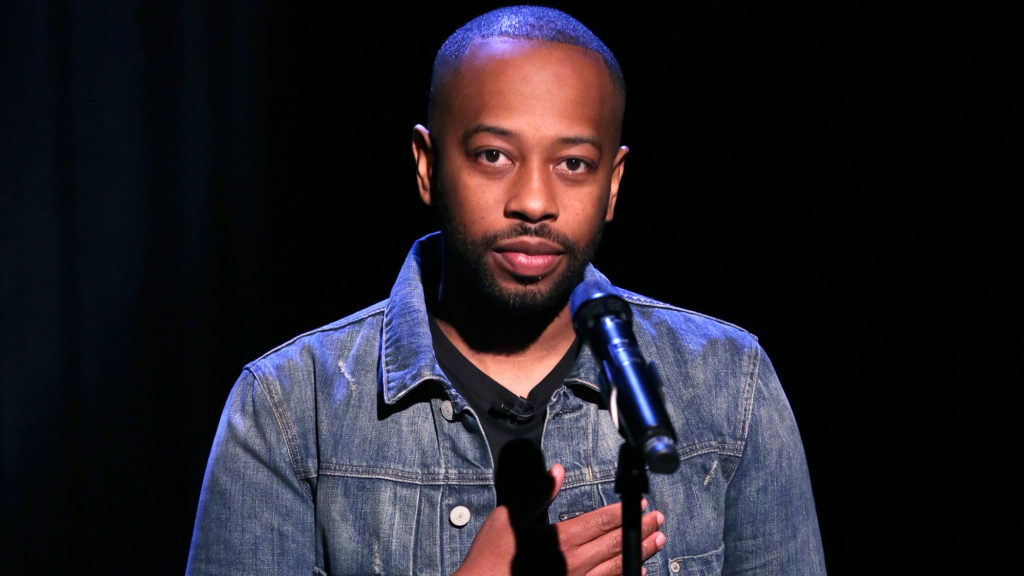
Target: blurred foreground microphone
(603, 320)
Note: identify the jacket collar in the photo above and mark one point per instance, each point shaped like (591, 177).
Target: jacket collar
(407, 352)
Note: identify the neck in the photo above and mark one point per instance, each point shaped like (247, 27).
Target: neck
(517, 370)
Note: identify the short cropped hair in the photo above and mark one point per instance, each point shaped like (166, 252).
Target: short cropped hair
(524, 22)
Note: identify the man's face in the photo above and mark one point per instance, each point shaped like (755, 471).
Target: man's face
(524, 168)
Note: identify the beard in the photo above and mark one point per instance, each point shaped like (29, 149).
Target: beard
(466, 266)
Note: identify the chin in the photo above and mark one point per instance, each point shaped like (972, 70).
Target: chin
(547, 296)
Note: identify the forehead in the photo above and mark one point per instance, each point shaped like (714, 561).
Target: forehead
(509, 79)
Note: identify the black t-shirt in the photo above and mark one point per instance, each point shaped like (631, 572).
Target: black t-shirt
(503, 415)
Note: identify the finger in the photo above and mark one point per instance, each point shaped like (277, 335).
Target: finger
(651, 522)
(584, 528)
(650, 546)
(613, 566)
(609, 545)
(557, 473)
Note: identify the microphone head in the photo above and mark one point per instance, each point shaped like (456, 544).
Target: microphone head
(594, 299)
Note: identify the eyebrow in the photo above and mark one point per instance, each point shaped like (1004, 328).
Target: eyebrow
(506, 133)
(488, 129)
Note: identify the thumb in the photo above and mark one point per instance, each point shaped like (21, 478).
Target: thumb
(557, 473)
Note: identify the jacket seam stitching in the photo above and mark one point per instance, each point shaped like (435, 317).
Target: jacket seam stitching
(285, 426)
(408, 478)
(727, 448)
(734, 449)
(749, 392)
(711, 553)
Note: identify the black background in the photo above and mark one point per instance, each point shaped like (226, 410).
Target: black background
(186, 186)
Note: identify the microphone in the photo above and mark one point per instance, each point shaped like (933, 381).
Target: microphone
(603, 320)
(519, 410)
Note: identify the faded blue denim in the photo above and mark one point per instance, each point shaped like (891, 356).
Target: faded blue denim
(333, 456)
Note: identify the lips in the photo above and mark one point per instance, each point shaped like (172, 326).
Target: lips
(528, 257)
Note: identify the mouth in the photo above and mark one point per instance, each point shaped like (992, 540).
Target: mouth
(528, 257)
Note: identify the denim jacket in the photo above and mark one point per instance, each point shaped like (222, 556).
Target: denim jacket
(347, 451)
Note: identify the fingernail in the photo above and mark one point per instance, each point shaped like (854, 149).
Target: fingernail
(659, 539)
(643, 504)
(643, 571)
(661, 519)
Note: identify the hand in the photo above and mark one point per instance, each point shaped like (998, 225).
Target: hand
(589, 544)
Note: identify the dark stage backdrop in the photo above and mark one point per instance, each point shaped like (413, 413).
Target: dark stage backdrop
(185, 186)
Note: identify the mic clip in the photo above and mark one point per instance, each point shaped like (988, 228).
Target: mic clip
(519, 410)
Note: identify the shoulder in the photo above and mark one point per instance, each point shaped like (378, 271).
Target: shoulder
(306, 361)
(337, 329)
(695, 330)
(709, 367)
(337, 360)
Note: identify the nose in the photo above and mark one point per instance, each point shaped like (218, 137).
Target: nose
(532, 196)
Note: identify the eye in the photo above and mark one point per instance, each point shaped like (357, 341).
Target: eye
(493, 157)
(574, 166)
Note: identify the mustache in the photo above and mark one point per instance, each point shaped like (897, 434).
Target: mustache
(542, 230)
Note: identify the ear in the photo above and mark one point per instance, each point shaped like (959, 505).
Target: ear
(618, 166)
(423, 152)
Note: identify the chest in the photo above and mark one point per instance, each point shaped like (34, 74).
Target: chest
(411, 498)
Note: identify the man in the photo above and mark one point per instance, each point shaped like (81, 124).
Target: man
(458, 425)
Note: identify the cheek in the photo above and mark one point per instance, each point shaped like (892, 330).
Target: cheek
(473, 210)
(473, 200)
(590, 214)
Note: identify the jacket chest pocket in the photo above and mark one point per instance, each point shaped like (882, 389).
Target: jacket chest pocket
(377, 526)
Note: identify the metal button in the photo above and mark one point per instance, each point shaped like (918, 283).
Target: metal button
(459, 516)
(446, 410)
(674, 567)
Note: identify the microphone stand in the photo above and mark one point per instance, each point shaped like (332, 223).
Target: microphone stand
(603, 319)
(631, 484)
